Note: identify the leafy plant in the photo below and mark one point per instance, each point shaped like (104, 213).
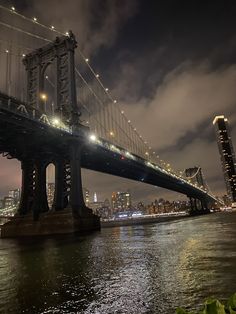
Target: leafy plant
(213, 306)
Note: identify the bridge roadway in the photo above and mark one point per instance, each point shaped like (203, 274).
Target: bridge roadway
(23, 128)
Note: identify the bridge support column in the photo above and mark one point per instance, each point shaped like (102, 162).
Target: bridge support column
(40, 200)
(60, 197)
(27, 187)
(76, 192)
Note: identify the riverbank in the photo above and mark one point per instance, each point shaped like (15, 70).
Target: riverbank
(140, 220)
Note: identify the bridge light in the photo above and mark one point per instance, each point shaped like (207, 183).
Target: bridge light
(43, 96)
(97, 75)
(7, 51)
(146, 153)
(55, 121)
(122, 111)
(106, 89)
(35, 19)
(52, 27)
(129, 121)
(115, 101)
(13, 8)
(87, 60)
(23, 55)
(67, 33)
(112, 133)
(93, 137)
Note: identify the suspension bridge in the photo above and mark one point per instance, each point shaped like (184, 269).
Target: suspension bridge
(55, 109)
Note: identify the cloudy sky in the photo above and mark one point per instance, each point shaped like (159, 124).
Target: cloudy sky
(172, 66)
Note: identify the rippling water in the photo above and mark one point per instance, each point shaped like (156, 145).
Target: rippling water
(138, 269)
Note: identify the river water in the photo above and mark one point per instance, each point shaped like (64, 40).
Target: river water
(138, 269)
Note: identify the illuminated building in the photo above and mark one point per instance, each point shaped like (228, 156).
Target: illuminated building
(86, 196)
(50, 193)
(227, 155)
(8, 201)
(15, 195)
(121, 201)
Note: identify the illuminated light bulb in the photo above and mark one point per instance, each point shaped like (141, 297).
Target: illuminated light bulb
(43, 96)
(129, 121)
(112, 133)
(97, 75)
(146, 153)
(46, 77)
(23, 55)
(115, 101)
(134, 129)
(7, 51)
(56, 121)
(122, 112)
(52, 27)
(93, 137)
(35, 19)
(13, 8)
(67, 34)
(106, 89)
(87, 60)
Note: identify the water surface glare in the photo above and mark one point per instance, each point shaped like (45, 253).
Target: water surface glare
(137, 269)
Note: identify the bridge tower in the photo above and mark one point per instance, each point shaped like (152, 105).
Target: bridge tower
(36, 152)
(59, 54)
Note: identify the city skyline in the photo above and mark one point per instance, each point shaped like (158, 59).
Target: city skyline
(160, 91)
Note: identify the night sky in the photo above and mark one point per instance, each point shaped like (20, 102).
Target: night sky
(171, 65)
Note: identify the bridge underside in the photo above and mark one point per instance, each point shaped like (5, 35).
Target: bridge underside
(36, 144)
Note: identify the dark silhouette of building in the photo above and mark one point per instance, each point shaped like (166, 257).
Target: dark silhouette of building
(227, 155)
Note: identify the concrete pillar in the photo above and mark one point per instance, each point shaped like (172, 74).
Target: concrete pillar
(76, 192)
(40, 199)
(60, 197)
(27, 187)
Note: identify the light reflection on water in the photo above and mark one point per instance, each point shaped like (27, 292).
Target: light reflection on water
(136, 269)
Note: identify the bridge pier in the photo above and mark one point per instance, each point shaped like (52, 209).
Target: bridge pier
(40, 204)
(27, 187)
(76, 192)
(61, 195)
(198, 207)
(66, 216)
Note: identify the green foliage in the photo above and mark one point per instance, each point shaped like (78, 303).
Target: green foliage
(213, 306)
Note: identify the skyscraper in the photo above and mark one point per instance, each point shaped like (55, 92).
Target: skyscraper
(227, 155)
(121, 200)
